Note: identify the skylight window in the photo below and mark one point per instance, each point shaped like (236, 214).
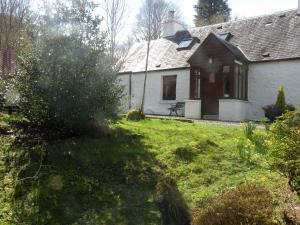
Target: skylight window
(226, 36)
(185, 44)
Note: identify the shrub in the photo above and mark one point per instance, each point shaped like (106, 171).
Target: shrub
(253, 143)
(135, 115)
(247, 204)
(285, 147)
(67, 82)
(280, 103)
(272, 112)
(170, 203)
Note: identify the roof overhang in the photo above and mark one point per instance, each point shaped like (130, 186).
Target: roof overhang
(236, 52)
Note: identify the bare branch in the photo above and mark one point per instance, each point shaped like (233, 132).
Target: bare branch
(115, 11)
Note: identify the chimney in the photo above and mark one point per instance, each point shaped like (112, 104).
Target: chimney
(298, 12)
(171, 25)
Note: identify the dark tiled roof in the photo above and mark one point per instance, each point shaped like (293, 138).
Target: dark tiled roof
(277, 36)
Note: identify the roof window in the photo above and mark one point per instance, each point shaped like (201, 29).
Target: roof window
(185, 44)
(226, 36)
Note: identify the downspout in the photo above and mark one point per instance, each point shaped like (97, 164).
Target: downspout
(130, 91)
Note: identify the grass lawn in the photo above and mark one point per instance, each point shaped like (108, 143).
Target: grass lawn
(115, 175)
(202, 158)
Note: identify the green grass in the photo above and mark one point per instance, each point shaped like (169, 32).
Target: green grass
(212, 161)
(112, 179)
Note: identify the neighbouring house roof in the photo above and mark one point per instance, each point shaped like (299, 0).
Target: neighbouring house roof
(264, 38)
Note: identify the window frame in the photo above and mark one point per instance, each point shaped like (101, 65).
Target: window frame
(240, 82)
(163, 88)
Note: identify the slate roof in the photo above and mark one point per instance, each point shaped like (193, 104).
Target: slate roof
(276, 36)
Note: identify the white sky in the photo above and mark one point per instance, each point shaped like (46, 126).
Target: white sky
(240, 8)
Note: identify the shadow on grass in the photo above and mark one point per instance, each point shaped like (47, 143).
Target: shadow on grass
(110, 180)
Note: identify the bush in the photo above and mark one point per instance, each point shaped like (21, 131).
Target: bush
(280, 103)
(272, 112)
(67, 82)
(170, 203)
(247, 204)
(252, 143)
(135, 115)
(285, 147)
(71, 90)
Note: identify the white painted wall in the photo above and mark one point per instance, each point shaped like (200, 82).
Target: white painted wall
(233, 110)
(153, 99)
(193, 109)
(124, 83)
(264, 80)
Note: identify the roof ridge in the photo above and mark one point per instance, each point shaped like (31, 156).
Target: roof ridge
(245, 19)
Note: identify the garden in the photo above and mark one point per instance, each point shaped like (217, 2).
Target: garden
(68, 157)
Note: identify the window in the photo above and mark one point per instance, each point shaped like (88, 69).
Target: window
(195, 84)
(169, 87)
(226, 36)
(185, 44)
(240, 77)
(212, 78)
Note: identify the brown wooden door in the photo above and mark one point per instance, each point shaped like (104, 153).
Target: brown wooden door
(210, 93)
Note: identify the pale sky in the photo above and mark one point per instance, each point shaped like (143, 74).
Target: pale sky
(240, 8)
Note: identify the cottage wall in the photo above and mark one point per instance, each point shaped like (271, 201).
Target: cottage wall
(264, 80)
(153, 99)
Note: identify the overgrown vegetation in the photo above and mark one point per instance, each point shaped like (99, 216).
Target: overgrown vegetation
(86, 181)
(246, 204)
(67, 83)
(135, 115)
(284, 144)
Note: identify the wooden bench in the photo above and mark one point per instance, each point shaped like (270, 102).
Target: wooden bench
(176, 107)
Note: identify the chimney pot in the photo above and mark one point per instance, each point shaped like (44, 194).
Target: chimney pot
(171, 15)
(171, 25)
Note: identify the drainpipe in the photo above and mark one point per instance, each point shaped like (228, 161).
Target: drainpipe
(130, 90)
(298, 11)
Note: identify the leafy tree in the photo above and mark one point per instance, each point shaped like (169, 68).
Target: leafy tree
(69, 84)
(211, 12)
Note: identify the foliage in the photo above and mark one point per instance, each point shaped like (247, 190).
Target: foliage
(252, 143)
(67, 83)
(135, 115)
(280, 102)
(170, 203)
(77, 181)
(272, 112)
(246, 204)
(211, 12)
(112, 180)
(284, 143)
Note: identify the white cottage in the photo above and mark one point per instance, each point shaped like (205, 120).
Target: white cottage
(227, 71)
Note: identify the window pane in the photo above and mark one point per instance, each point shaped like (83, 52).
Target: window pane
(169, 87)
